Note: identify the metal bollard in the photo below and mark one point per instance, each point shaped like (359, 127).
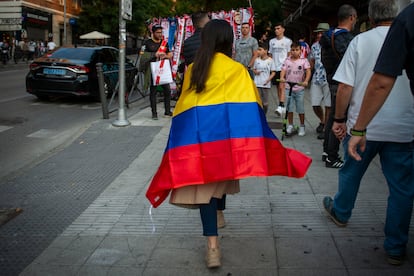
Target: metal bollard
(102, 95)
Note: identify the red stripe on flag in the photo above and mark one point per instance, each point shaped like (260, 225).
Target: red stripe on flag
(224, 160)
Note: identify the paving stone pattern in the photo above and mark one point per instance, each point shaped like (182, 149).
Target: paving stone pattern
(55, 192)
(274, 226)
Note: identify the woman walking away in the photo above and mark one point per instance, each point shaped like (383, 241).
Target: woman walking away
(218, 135)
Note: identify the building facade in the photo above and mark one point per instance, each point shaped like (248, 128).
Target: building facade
(40, 20)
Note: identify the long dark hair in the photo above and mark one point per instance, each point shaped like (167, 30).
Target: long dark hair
(216, 36)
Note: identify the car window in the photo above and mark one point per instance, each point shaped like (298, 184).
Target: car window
(108, 56)
(73, 53)
(99, 56)
(115, 53)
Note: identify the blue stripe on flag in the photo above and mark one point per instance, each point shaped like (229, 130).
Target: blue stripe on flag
(229, 120)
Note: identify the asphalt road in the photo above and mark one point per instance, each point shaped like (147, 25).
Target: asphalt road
(30, 129)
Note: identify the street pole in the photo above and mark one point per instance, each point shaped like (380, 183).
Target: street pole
(122, 120)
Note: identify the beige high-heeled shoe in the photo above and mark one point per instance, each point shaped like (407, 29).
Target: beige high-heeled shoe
(220, 219)
(213, 257)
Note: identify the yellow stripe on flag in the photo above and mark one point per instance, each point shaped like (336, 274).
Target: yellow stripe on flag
(228, 82)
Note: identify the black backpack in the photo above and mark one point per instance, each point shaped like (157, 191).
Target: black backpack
(333, 45)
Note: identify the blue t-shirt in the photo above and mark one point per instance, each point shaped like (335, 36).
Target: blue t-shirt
(397, 52)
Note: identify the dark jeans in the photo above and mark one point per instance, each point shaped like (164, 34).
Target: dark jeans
(331, 143)
(208, 213)
(397, 163)
(167, 98)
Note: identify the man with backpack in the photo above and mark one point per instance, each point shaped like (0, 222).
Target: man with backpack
(334, 43)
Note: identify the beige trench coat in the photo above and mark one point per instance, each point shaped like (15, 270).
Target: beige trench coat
(191, 196)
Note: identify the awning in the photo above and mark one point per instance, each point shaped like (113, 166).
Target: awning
(94, 35)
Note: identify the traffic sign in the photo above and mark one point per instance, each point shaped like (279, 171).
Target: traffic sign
(127, 9)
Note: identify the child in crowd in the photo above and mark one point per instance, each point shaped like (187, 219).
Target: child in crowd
(304, 47)
(296, 70)
(264, 70)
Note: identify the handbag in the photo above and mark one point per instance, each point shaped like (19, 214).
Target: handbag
(161, 72)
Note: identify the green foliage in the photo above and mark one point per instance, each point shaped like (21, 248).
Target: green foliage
(103, 16)
(144, 10)
(267, 13)
(99, 15)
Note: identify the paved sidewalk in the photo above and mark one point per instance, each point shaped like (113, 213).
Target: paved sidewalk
(275, 226)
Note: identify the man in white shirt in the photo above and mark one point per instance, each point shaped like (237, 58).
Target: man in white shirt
(389, 134)
(51, 45)
(279, 48)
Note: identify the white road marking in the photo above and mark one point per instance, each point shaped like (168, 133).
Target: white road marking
(91, 107)
(43, 133)
(143, 118)
(14, 98)
(4, 128)
(67, 105)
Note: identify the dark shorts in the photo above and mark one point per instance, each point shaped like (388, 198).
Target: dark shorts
(275, 78)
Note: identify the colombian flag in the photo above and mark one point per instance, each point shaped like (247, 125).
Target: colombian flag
(221, 134)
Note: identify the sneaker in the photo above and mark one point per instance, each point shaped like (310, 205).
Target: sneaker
(280, 110)
(154, 116)
(335, 164)
(169, 114)
(324, 156)
(301, 131)
(213, 257)
(320, 128)
(395, 259)
(328, 206)
(289, 129)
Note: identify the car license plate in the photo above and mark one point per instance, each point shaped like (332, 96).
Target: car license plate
(53, 71)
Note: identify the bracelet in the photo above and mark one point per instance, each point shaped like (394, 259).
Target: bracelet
(356, 132)
(340, 120)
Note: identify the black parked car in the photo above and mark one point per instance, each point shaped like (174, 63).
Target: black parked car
(72, 71)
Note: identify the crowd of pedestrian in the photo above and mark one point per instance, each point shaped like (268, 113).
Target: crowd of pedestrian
(345, 95)
(25, 49)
